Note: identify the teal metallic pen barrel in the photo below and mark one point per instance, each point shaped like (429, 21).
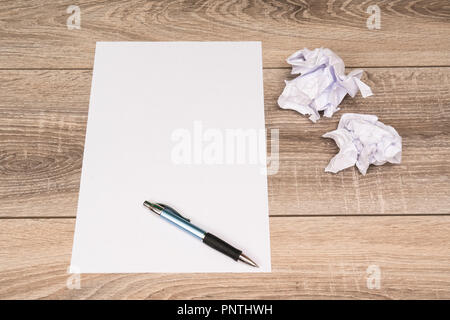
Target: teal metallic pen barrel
(209, 239)
(182, 223)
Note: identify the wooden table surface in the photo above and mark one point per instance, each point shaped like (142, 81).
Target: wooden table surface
(344, 229)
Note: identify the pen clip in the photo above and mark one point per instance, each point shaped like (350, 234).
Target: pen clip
(175, 212)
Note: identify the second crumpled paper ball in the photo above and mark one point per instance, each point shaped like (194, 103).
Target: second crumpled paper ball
(322, 84)
(363, 140)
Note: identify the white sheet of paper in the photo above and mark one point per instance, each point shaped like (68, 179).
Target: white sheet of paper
(143, 92)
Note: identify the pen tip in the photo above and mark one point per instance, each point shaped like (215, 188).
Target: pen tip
(247, 260)
(147, 204)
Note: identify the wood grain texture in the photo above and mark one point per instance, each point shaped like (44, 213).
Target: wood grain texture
(42, 132)
(43, 117)
(43, 120)
(416, 102)
(33, 34)
(324, 257)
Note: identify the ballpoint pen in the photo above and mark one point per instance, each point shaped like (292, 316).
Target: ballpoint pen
(170, 214)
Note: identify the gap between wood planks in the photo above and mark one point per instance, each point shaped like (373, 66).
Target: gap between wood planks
(264, 68)
(270, 216)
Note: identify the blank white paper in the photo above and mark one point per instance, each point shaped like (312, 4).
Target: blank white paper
(143, 92)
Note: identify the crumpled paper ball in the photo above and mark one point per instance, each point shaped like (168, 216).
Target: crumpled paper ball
(322, 84)
(363, 140)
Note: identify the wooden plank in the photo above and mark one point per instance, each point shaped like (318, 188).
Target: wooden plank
(42, 132)
(312, 257)
(43, 118)
(34, 33)
(415, 102)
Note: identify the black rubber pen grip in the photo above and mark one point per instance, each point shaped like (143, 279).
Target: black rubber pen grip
(220, 245)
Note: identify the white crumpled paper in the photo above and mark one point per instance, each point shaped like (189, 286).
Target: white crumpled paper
(363, 140)
(322, 84)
